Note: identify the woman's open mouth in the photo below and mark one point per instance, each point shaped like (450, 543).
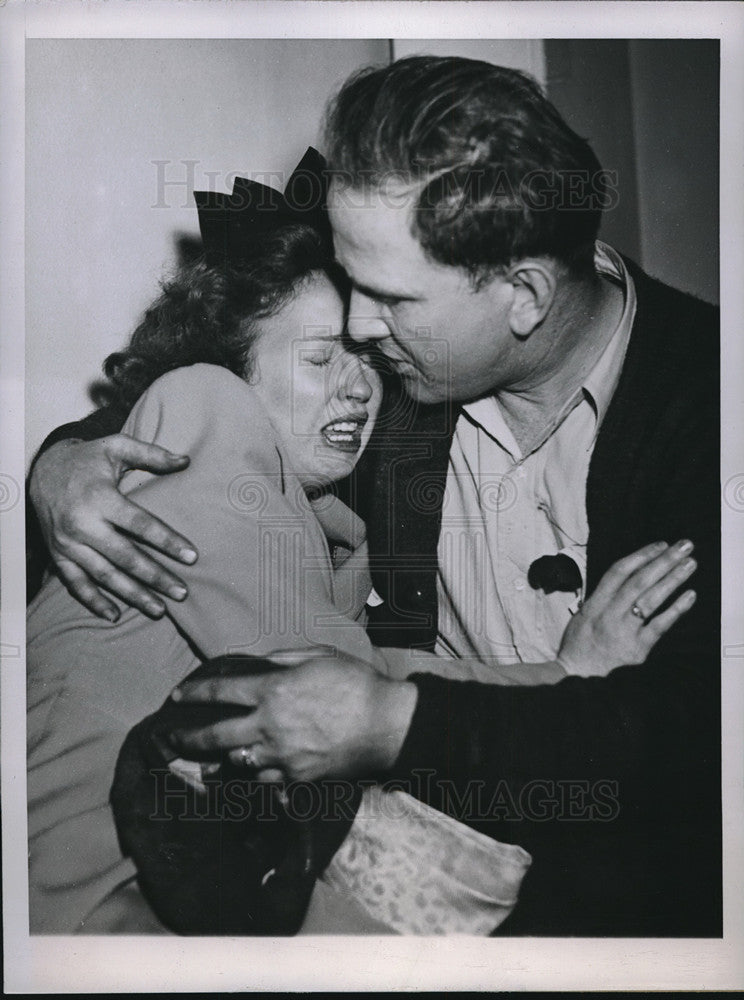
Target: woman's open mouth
(346, 434)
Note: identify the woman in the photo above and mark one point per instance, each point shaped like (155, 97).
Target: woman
(242, 364)
(287, 411)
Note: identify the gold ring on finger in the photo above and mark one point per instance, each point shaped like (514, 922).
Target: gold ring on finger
(636, 610)
(248, 757)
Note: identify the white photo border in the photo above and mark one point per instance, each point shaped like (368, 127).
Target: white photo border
(105, 964)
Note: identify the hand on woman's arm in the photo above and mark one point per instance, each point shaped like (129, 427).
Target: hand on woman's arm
(92, 531)
(308, 716)
(621, 622)
(605, 633)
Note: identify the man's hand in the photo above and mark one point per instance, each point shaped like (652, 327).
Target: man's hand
(320, 717)
(74, 488)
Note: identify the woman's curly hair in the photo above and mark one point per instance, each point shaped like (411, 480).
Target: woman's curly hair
(207, 313)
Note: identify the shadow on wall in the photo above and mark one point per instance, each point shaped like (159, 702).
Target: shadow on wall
(187, 249)
(650, 109)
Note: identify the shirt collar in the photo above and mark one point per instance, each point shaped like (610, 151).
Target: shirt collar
(601, 382)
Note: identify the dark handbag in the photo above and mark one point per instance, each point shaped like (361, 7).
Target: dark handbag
(232, 856)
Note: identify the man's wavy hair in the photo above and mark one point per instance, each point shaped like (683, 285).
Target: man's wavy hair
(208, 313)
(501, 175)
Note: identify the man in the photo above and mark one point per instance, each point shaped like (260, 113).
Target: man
(564, 405)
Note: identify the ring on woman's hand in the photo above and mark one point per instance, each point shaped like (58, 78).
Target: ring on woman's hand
(248, 756)
(635, 610)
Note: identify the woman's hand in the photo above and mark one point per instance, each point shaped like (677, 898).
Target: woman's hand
(85, 521)
(618, 624)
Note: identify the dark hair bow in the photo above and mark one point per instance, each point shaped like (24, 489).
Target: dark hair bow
(231, 224)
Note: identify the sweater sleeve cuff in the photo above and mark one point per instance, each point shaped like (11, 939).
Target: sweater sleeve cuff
(100, 423)
(426, 745)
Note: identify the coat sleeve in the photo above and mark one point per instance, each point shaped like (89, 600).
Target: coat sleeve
(263, 579)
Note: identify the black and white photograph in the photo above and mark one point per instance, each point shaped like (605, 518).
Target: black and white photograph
(372, 456)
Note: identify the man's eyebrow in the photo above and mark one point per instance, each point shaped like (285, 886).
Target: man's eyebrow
(378, 293)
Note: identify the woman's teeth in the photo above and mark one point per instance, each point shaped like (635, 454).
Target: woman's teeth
(344, 433)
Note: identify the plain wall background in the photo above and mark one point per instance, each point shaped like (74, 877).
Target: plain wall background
(102, 227)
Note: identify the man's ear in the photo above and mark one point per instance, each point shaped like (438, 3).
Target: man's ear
(534, 283)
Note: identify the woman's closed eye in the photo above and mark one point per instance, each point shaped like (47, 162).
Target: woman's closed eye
(318, 358)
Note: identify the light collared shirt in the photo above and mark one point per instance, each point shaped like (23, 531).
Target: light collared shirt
(502, 510)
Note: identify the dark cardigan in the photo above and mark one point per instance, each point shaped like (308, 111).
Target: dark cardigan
(649, 735)
(613, 784)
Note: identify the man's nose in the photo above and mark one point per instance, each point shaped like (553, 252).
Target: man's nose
(364, 321)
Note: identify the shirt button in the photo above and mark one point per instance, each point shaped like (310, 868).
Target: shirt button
(519, 584)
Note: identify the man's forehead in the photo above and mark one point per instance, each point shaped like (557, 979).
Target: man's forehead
(391, 191)
(392, 200)
(371, 219)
